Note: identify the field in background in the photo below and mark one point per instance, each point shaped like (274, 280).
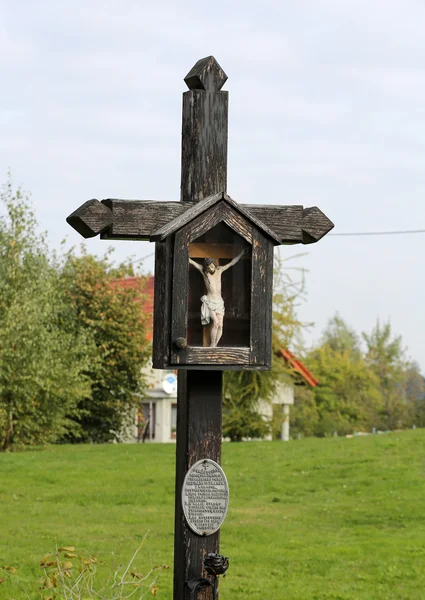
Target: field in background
(310, 519)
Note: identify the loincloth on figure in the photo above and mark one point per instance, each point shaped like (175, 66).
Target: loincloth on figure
(207, 304)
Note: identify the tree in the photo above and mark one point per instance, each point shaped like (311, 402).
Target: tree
(360, 390)
(243, 391)
(304, 414)
(415, 395)
(385, 357)
(347, 397)
(341, 338)
(42, 359)
(112, 316)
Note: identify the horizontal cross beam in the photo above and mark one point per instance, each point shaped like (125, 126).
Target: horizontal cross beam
(139, 219)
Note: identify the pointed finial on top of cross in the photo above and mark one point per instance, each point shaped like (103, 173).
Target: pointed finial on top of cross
(206, 75)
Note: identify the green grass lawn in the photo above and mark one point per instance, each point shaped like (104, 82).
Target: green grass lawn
(310, 519)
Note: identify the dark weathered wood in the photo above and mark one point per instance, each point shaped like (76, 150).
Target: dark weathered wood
(141, 219)
(202, 206)
(91, 218)
(206, 75)
(195, 209)
(198, 436)
(204, 222)
(204, 132)
(213, 367)
(138, 219)
(180, 296)
(238, 223)
(268, 301)
(261, 266)
(217, 356)
(217, 214)
(286, 221)
(162, 304)
(315, 225)
(199, 397)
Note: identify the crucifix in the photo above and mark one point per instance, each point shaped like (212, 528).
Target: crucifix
(212, 307)
(212, 310)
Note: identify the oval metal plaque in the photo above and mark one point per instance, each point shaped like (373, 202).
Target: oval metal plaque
(205, 497)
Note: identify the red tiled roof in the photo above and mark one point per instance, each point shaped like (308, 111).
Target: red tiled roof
(145, 285)
(299, 367)
(147, 291)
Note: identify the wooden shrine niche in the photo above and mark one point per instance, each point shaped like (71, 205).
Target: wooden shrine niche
(213, 288)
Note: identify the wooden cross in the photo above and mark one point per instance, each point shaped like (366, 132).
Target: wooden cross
(203, 197)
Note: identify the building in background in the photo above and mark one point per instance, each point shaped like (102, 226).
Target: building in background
(285, 394)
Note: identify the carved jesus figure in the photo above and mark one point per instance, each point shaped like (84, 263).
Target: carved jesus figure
(212, 307)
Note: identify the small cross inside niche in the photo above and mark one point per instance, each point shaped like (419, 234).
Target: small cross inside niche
(219, 289)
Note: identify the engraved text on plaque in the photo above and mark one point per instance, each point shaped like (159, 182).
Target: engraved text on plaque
(205, 497)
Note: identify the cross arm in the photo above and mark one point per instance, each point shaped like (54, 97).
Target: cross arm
(139, 219)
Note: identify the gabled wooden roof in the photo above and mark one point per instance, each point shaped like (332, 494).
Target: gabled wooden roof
(205, 204)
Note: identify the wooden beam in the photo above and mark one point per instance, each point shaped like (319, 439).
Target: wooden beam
(198, 436)
(139, 219)
(315, 225)
(200, 250)
(199, 394)
(91, 218)
(204, 132)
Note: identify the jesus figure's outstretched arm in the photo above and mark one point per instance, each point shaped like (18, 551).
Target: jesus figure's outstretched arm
(233, 261)
(196, 265)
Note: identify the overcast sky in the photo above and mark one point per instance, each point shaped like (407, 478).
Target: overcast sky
(327, 108)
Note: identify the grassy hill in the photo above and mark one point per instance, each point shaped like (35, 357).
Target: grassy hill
(310, 519)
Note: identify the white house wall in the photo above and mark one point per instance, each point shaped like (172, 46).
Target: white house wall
(163, 419)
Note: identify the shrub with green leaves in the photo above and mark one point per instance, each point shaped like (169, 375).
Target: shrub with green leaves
(43, 357)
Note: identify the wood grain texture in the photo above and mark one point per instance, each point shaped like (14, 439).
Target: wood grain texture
(198, 436)
(195, 210)
(238, 223)
(204, 173)
(202, 206)
(204, 222)
(212, 250)
(207, 75)
(138, 219)
(217, 356)
(258, 296)
(142, 219)
(315, 225)
(204, 144)
(211, 367)
(268, 302)
(162, 304)
(219, 212)
(286, 221)
(180, 296)
(91, 218)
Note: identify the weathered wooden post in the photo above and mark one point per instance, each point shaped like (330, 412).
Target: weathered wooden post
(208, 317)
(199, 394)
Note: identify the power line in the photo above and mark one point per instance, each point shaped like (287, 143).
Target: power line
(403, 232)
